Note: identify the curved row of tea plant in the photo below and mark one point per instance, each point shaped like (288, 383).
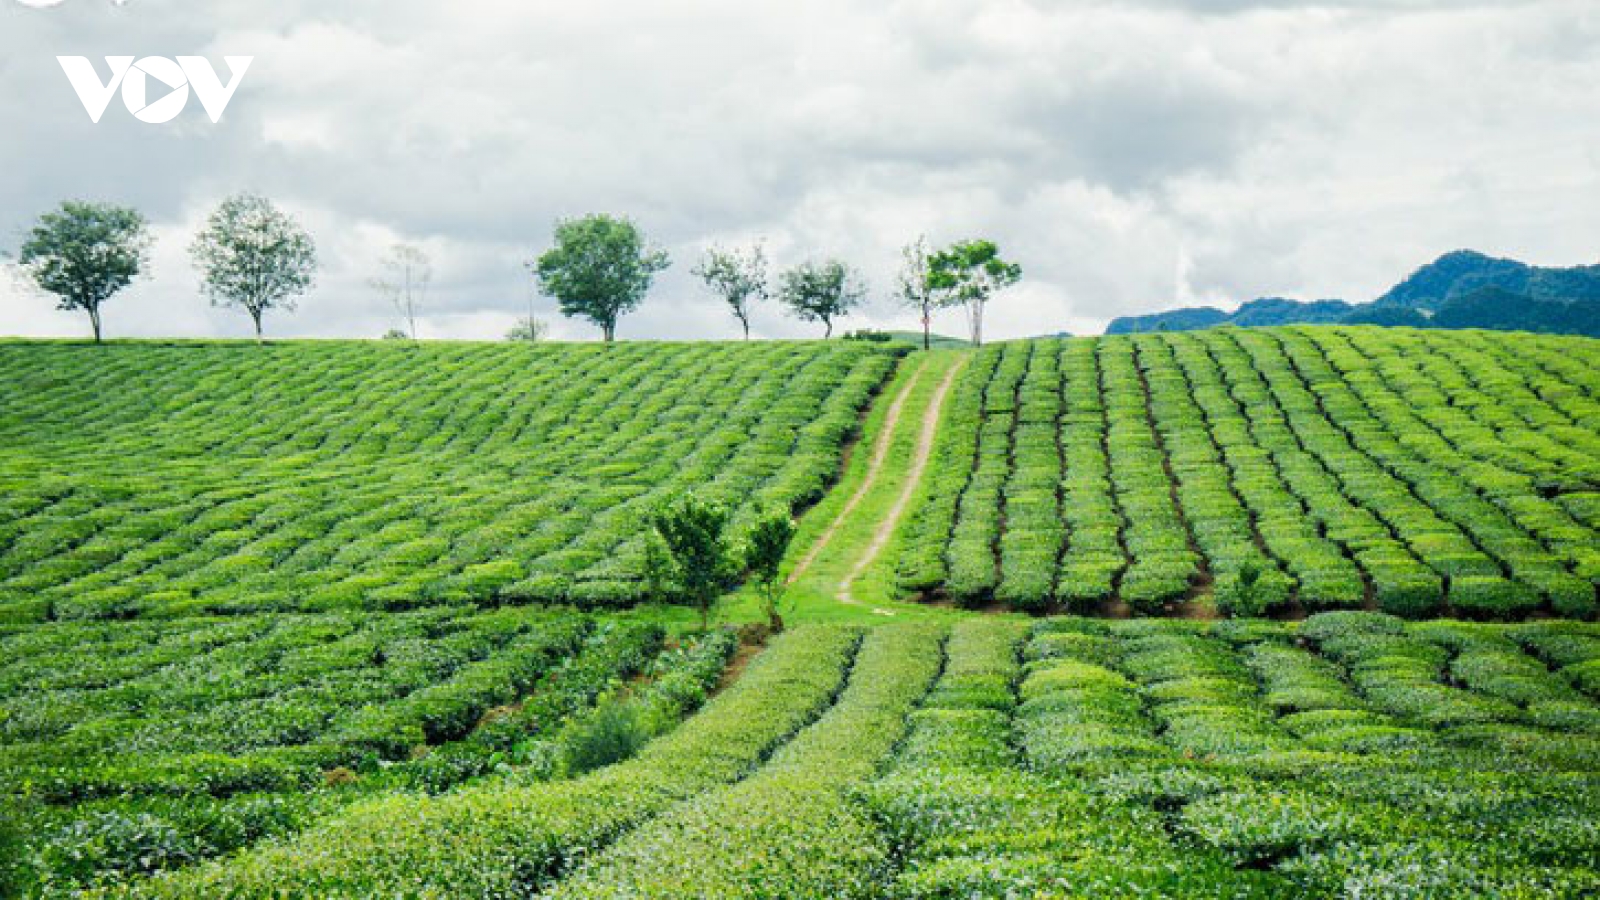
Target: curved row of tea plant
(1354, 756)
(789, 830)
(132, 747)
(505, 837)
(182, 479)
(1324, 468)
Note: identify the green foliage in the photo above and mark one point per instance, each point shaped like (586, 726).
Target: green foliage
(613, 733)
(506, 838)
(739, 277)
(693, 533)
(370, 476)
(253, 256)
(790, 830)
(84, 253)
(969, 273)
(1182, 782)
(765, 547)
(157, 769)
(152, 764)
(1064, 758)
(295, 678)
(599, 269)
(1329, 468)
(821, 292)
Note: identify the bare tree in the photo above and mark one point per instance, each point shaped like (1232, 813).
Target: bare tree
(407, 272)
(916, 291)
(528, 331)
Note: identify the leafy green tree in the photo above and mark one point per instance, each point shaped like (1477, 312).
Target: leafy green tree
(739, 277)
(692, 531)
(767, 544)
(253, 256)
(968, 274)
(395, 334)
(84, 253)
(660, 577)
(599, 269)
(916, 291)
(822, 292)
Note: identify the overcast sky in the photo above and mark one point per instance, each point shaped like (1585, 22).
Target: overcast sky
(1133, 156)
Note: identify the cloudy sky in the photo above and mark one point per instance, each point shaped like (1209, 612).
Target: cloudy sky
(1133, 156)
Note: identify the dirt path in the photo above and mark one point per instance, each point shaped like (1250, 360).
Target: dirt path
(919, 464)
(880, 451)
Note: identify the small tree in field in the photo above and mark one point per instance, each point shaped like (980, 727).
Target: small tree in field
(251, 255)
(739, 277)
(599, 269)
(821, 292)
(407, 272)
(915, 289)
(84, 253)
(968, 274)
(528, 331)
(768, 543)
(692, 531)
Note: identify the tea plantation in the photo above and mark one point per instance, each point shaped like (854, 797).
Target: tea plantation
(169, 480)
(353, 620)
(136, 747)
(1270, 469)
(1353, 755)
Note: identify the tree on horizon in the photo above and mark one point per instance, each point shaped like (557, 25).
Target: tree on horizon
(255, 257)
(85, 253)
(600, 268)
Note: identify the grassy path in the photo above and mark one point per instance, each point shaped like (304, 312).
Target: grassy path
(908, 487)
(844, 568)
(902, 388)
(841, 565)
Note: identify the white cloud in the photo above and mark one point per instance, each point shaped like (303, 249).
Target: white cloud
(1313, 149)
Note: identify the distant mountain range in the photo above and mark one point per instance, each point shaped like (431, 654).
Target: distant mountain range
(1463, 289)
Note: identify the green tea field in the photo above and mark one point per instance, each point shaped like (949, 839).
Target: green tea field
(1280, 612)
(1270, 469)
(1352, 756)
(170, 480)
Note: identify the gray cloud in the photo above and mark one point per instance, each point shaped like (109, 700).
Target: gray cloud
(1313, 149)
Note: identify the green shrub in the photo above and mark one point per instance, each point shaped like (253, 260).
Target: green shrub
(614, 732)
(498, 837)
(1491, 596)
